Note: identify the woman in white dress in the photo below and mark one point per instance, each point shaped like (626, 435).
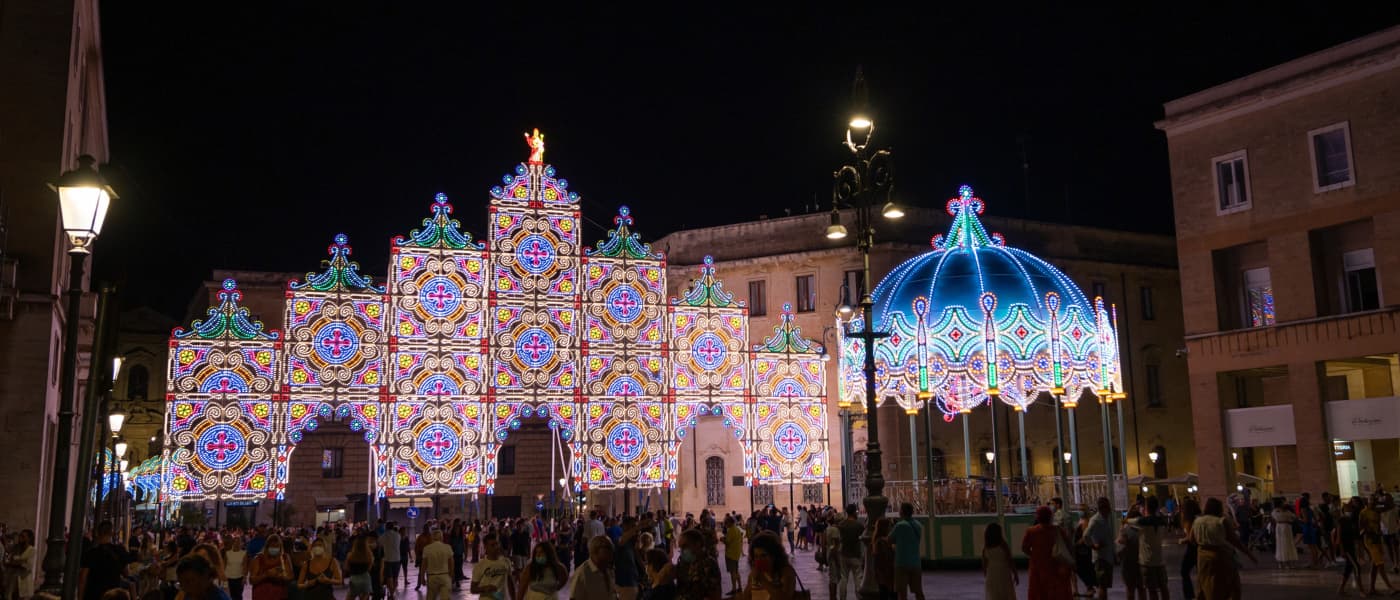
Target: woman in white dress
(1285, 552)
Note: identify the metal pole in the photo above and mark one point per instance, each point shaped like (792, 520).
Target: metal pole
(967, 449)
(929, 495)
(1122, 451)
(1107, 451)
(104, 437)
(996, 468)
(67, 399)
(1058, 459)
(1074, 453)
(85, 444)
(1025, 464)
(913, 449)
(876, 504)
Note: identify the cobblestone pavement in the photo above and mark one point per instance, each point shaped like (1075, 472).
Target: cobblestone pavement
(1261, 581)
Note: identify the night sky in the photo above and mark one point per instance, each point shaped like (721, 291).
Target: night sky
(246, 139)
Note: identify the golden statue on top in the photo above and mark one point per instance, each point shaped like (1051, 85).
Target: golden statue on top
(536, 144)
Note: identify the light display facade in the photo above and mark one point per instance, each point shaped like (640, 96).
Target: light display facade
(222, 410)
(468, 339)
(974, 319)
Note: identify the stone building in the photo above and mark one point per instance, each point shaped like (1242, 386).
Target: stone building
(1287, 195)
(52, 111)
(787, 261)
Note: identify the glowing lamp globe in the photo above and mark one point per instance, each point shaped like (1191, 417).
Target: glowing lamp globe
(83, 200)
(892, 211)
(121, 448)
(115, 420)
(861, 123)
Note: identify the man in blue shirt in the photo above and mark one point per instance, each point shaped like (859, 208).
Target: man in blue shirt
(908, 565)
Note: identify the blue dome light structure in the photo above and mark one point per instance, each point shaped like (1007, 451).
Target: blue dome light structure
(975, 319)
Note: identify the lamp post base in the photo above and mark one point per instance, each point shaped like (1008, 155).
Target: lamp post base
(875, 509)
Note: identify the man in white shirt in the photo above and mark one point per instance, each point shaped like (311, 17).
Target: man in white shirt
(491, 575)
(437, 565)
(1151, 527)
(594, 580)
(390, 543)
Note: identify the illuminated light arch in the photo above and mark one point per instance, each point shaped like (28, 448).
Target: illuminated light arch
(789, 408)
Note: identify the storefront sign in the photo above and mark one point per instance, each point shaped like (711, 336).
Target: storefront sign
(1261, 426)
(1365, 419)
(237, 503)
(1343, 450)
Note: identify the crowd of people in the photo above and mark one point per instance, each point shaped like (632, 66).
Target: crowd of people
(663, 556)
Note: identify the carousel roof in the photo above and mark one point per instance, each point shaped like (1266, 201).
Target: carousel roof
(967, 263)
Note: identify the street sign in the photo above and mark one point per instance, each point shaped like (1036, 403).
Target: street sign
(539, 506)
(412, 512)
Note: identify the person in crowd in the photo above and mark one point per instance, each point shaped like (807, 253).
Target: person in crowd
(771, 575)
(804, 529)
(235, 561)
(1390, 527)
(103, 564)
(198, 579)
(594, 579)
(420, 544)
(881, 553)
(1190, 510)
(1345, 534)
(1047, 545)
(435, 564)
(733, 551)
(626, 563)
(543, 576)
(456, 538)
(270, 571)
(358, 563)
(320, 573)
(852, 561)
(1309, 530)
(1151, 528)
(998, 571)
(907, 535)
(697, 572)
(661, 575)
(212, 554)
(390, 541)
(1215, 564)
(20, 562)
(1129, 558)
(1373, 538)
(491, 574)
(520, 544)
(1099, 535)
(1285, 548)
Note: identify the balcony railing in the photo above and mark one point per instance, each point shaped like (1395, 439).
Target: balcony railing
(962, 496)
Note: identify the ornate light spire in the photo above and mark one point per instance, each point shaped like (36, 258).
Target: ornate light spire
(966, 231)
(439, 230)
(787, 337)
(228, 319)
(341, 274)
(707, 290)
(623, 242)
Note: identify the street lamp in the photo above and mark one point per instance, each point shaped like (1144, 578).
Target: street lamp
(1152, 456)
(120, 447)
(863, 184)
(990, 456)
(1067, 457)
(83, 200)
(115, 420)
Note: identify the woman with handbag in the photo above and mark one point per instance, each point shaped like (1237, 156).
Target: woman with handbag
(1050, 558)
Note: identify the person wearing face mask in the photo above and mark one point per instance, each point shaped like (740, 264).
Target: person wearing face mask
(771, 576)
(697, 573)
(491, 574)
(543, 576)
(661, 574)
(270, 571)
(320, 573)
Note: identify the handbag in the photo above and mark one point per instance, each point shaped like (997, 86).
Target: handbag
(1063, 553)
(801, 593)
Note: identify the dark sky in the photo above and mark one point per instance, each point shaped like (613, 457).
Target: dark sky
(247, 138)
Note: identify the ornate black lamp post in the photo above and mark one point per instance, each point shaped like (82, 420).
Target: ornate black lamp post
(862, 185)
(83, 199)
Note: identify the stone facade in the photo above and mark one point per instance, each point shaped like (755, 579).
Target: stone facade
(1297, 233)
(52, 111)
(1119, 265)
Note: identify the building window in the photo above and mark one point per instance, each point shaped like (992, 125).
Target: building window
(806, 293)
(852, 288)
(505, 461)
(1258, 298)
(737, 481)
(1154, 385)
(1362, 289)
(762, 495)
(332, 463)
(1331, 157)
(758, 298)
(1149, 312)
(138, 383)
(1232, 193)
(1098, 289)
(714, 481)
(812, 494)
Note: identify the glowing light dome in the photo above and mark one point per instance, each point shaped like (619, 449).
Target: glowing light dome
(973, 297)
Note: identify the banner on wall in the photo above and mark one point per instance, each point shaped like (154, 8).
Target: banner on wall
(1364, 419)
(1261, 426)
